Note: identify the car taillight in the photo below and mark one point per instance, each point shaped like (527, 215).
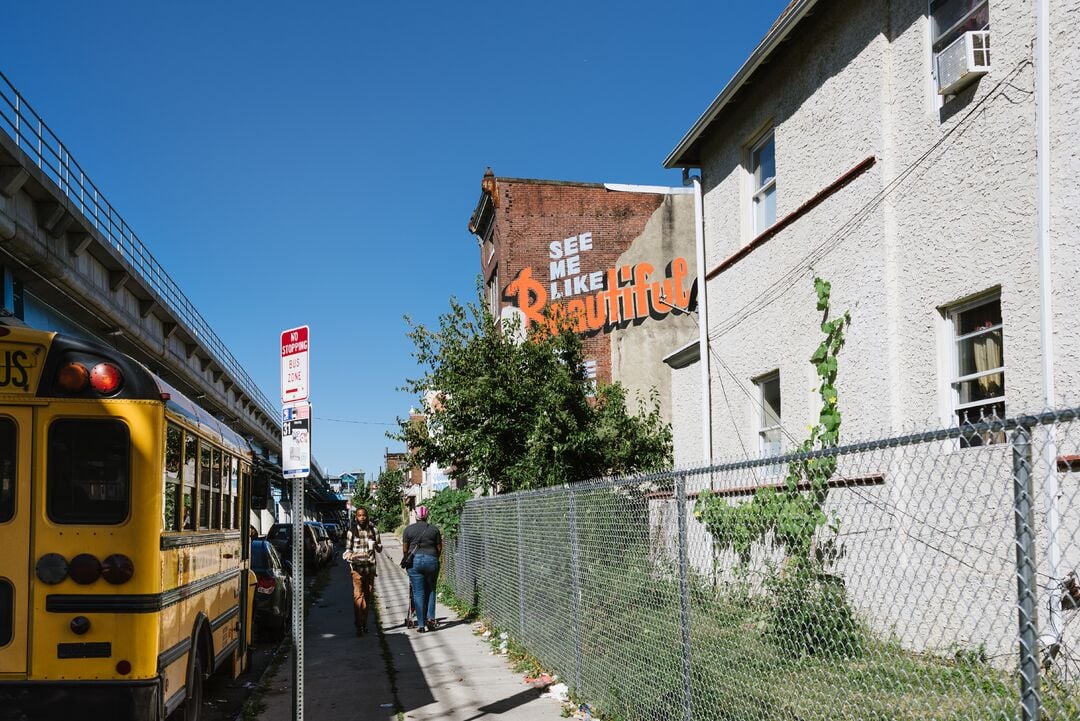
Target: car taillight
(52, 568)
(265, 584)
(106, 378)
(84, 569)
(73, 377)
(117, 569)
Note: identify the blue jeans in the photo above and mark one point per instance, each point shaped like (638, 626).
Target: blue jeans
(423, 573)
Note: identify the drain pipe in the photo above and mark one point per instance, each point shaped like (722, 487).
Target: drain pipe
(703, 319)
(1052, 636)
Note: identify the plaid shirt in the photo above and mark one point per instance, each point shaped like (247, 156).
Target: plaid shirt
(356, 544)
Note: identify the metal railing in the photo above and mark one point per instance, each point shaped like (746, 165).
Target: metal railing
(30, 133)
(933, 585)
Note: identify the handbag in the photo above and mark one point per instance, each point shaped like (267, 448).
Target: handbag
(406, 560)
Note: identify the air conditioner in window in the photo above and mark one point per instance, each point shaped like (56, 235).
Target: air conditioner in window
(964, 61)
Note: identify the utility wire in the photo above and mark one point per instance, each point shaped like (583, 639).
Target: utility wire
(347, 420)
(785, 282)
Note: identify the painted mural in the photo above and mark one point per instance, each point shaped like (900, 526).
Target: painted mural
(603, 300)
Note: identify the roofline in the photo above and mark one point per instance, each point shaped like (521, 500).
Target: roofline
(779, 33)
(542, 181)
(684, 356)
(648, 189)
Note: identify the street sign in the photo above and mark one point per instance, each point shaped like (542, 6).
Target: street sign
(294, 365)
(296, 440)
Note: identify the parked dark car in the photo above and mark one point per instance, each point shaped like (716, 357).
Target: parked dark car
(280, 535)
(334, 529)
(273, 590)
(325, 545)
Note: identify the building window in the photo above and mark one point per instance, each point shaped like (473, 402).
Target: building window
(979, 386)
(493, 293)
(763, 171)
(769, 415)
(949, 19)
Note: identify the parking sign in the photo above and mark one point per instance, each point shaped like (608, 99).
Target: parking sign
(294, 365)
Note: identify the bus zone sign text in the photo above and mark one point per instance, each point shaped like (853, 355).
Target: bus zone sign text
(294, 365)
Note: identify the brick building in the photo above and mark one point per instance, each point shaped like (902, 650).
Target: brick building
(618, 258)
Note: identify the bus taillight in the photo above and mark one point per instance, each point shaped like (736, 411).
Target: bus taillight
(106, 378)
(117, 569)
(84, 569)
(52, 568)
(73, 377)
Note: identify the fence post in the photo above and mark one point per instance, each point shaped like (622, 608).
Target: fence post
(1024, 515)
(575, 588)
(521, 569)
(684, 592)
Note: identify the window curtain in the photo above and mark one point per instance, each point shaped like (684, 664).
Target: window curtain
(987, 353)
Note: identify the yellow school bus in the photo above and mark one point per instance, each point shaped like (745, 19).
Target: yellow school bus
(124, 577)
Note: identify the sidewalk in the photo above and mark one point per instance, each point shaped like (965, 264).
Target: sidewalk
(448, 674)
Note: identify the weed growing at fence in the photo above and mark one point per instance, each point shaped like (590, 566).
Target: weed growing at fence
(632, 657)
(445, 508)
(811, 614)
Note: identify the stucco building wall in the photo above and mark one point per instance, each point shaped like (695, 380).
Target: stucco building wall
(941, 210)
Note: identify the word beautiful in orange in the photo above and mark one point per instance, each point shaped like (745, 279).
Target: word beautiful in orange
(628, 295)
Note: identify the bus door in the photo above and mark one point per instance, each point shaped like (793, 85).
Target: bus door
(16, 444)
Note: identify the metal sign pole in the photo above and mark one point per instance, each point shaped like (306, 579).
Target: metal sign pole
(298, 596)
(296, 464)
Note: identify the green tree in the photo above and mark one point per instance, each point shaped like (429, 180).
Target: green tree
(386, 507)
(512, 415)
(362, 497)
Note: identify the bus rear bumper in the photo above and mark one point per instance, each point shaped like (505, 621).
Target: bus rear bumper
(65, 700)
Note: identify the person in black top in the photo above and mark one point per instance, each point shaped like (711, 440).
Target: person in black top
(424, 541)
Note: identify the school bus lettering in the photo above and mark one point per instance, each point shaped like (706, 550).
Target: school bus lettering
(13, 370)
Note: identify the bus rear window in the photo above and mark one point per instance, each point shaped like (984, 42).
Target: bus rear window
(7, 470)
(89, 471)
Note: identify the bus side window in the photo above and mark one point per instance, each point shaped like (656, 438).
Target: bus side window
(8, 437)
(234, 481)
(170, 518)
(243, 489)
(191, 461)
(204, 486)
(215, 491)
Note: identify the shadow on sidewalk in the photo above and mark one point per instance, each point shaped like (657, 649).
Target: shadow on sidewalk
(508, 704)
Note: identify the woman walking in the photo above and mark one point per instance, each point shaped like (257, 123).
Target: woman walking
(424, 542)
(361, 544)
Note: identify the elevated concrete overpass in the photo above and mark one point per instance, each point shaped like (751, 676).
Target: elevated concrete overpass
(71, 263)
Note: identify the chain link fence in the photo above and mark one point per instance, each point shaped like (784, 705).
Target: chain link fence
(940, 581)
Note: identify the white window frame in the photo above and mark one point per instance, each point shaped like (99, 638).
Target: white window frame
(758, 193)
(952, 316)
(950, 33)
(762, 419)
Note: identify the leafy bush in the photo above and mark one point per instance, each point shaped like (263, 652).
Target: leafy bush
(444, 510)
(810, 615)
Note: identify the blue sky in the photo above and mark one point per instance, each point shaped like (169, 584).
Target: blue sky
(316, 163)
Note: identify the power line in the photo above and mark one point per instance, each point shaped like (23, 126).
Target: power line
(364, 423)
(785, 281)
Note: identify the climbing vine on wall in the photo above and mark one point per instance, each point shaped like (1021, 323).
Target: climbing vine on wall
(807, 612)
(794, 513)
